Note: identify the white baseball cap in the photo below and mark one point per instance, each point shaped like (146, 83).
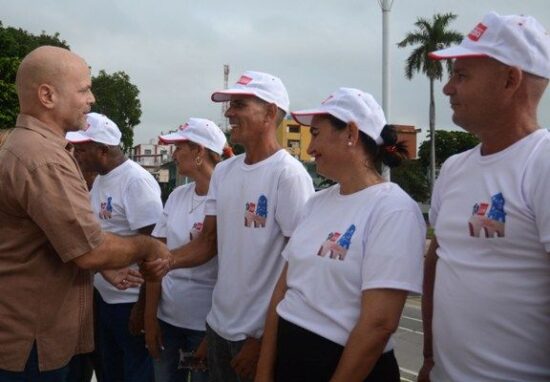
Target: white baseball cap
(200, 131)
(349, 105)
(262, 85)
(513, 40)
(99, 129)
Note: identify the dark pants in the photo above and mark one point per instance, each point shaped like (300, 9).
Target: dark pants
(220, 354)
(124, 357)
(303, 356)
(32, 374)
(176, 340)
(82, 366)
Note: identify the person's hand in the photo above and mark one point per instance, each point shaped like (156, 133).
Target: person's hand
(245, 362)
(199, 360)
(424, 373)
(135, 322)
(123, 278)
(153, 337)
(158, 261)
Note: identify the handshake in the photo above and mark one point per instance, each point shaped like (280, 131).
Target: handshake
(157, 260)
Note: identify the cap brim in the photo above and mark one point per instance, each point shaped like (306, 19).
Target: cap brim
(77, 137)
(304, 117)
(172, 138)
(454, 52)
(225, 95)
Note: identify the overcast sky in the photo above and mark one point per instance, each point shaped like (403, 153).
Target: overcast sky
(174, 51)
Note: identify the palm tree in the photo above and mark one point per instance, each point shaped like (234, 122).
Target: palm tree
(428, 37)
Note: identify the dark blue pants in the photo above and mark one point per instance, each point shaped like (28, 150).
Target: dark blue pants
(32, 374)
(124, 357)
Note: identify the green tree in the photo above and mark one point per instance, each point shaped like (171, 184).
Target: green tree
(428, 37)
(16, 43)
(412, 177)
(448, 143)
(117, 98)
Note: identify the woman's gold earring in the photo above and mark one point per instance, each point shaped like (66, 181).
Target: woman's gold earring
(198, 161)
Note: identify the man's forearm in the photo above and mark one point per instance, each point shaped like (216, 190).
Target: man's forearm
(430, 264)
(117, 252)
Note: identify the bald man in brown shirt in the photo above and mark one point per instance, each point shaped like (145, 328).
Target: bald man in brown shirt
(49, 237)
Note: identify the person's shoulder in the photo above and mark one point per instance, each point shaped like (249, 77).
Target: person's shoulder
(33, 150)
(392, 197)
(289, 165)
(182, 191)
(228, 163)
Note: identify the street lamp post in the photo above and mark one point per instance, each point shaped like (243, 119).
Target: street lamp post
(386, 5)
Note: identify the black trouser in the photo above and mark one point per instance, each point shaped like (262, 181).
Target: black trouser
(303, 356)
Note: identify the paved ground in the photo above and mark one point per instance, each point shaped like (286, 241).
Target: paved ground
(408, 340)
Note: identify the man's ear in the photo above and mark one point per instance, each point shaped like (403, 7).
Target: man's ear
(271, 112)
(47, 95)
(353, 133)
(514, 76)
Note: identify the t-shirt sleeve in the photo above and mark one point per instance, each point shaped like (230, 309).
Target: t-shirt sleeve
(435, 203)
(537, 184)
(142, 203)
(56, 199)
(161, 229)
(210, 205)
(394, 251)
(308, 206)
(293, 192)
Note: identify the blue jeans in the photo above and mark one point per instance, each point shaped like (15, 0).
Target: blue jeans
(174, 339)
(32, 374)
(220, 354)
(123, 356)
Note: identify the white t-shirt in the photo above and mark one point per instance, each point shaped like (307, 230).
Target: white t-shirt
(491, 319)
(187, 292)
(345, 244)
(124, 200)
(256, 206)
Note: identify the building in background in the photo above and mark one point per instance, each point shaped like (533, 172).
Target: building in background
(295, 139)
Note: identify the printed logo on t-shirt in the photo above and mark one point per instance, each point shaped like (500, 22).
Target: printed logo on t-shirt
(106, 210)
(197, 228)
(336, 245)
(488, 218)
(255, 214)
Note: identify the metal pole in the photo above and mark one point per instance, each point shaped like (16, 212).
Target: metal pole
(386, 5)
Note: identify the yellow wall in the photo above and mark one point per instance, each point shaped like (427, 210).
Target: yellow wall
(295, 142)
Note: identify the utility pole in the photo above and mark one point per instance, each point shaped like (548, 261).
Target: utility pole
(386, 5)
(225, 125)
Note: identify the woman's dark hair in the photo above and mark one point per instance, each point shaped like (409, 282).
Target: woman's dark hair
(391, 152)
(216, 158)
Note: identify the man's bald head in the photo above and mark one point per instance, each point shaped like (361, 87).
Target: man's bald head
(50, 81)
(44, 65)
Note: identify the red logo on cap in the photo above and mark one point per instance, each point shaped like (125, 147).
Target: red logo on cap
(87, 127)
(477, 32)
(182, 127)
(244, 80)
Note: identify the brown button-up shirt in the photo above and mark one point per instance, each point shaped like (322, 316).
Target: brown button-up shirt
(45, 222)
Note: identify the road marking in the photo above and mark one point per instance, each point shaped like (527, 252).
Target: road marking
(411, 318)
(409, 374)
(413, 373)
(411, 330)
